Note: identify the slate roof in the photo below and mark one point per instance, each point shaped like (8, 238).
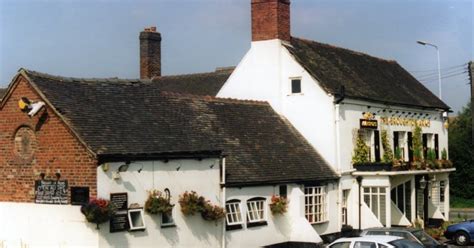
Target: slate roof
(207, 84)
(364, 77)
(115, 116)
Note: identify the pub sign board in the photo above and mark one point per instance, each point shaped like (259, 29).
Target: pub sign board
(120, 201)
(51, 191)
(119, 222)
(371, 124)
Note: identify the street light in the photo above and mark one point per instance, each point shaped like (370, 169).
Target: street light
(424, 43)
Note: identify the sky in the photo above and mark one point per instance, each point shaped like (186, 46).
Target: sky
(100, 38)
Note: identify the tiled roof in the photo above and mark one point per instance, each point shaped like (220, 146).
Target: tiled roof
(363, 76)
(2, 92)
(115, 116)
(198, 84)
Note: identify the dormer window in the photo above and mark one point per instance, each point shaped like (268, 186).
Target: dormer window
(296, 86)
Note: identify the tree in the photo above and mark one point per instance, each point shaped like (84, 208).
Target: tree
(461, 154)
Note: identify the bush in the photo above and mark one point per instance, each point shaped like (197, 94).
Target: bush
(98, 211)
(361, 150)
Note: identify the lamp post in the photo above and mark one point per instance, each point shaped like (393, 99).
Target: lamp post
(424, 43)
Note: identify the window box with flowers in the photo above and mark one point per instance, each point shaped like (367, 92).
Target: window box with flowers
(98, 211)
(191, 203)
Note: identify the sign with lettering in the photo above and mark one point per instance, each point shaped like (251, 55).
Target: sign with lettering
(399, 121)
(120, 200)
(51, 191)
(372, 124)
(119, 222)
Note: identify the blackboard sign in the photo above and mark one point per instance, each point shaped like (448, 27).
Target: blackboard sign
(119, 222)
(51, 191)
(120, 200)
(79, 195)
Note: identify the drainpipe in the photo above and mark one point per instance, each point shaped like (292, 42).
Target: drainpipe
(338, 142)
(359, 181)
(223, 201)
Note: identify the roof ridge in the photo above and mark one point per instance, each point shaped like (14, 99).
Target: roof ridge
(213, 98)
(84, 80)
(197, 73)
(346, 49)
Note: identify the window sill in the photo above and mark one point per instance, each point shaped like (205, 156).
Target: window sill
(321, 222)
(295, 94)
(233, 227)
(168, 225)
(260, 223)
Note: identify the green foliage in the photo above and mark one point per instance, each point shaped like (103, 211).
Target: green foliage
(398, 153)
(461, 154)
(387, 150)
(361, 150)
(459, 202)
(157, 203)
(417, 144)
(444, 154)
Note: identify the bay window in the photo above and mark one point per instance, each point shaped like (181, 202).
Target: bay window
(374, 198)
(315, 204)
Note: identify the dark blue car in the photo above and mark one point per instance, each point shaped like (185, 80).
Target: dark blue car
(461, 233)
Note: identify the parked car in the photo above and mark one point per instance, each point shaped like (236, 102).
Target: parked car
(461, 233)
(413, 234)
(374, 242)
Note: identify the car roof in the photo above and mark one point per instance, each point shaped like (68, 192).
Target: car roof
(374, 238)
(404, 229)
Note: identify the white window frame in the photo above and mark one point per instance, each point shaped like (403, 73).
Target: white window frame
(376, 192)
(137, 213)
(231, 208)
(403, 144)
(256, 210)
(368, 138)
(315, 204)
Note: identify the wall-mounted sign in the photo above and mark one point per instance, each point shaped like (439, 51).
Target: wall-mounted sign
(79, 195)
(399, 121)
(51, 191)
(120, 200)
(368, 123)
(119, 222)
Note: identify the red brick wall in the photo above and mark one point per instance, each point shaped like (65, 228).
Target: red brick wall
(52, 144)
(270, 20)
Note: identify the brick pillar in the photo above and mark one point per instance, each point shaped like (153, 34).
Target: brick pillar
(271, 20)
(150, 53)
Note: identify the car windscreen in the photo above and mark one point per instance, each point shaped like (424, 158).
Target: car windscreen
(424, 238)
(403, 243)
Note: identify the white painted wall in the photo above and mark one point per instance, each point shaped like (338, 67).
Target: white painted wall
(265, 74)
(193, 175)
(42, 225)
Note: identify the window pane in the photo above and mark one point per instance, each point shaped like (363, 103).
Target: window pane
(296, 86)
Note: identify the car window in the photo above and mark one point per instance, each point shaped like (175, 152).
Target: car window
(341, 245)
(361, 244)
(403, 243)
(382, 246)
(404, 235)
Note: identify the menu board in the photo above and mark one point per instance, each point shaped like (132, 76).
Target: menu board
(120, 200)
(51, 191)
(119, 222)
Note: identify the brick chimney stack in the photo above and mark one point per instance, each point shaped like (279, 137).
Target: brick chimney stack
(150, 53)
(271, 20)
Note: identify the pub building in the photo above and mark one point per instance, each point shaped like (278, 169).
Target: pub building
(297, 141)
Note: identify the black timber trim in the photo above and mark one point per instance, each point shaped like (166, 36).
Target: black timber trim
(278, 182)
(104, 158)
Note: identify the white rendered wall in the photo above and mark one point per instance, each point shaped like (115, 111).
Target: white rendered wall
(42, 225)
(190, 231)
(265, 74)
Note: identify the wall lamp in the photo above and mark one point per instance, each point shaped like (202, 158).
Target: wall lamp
(124, 167)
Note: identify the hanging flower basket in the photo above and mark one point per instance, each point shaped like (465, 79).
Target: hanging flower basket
(191, 203)
(98, 211)
(212, 212)
(279, 205)
(157, 203)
